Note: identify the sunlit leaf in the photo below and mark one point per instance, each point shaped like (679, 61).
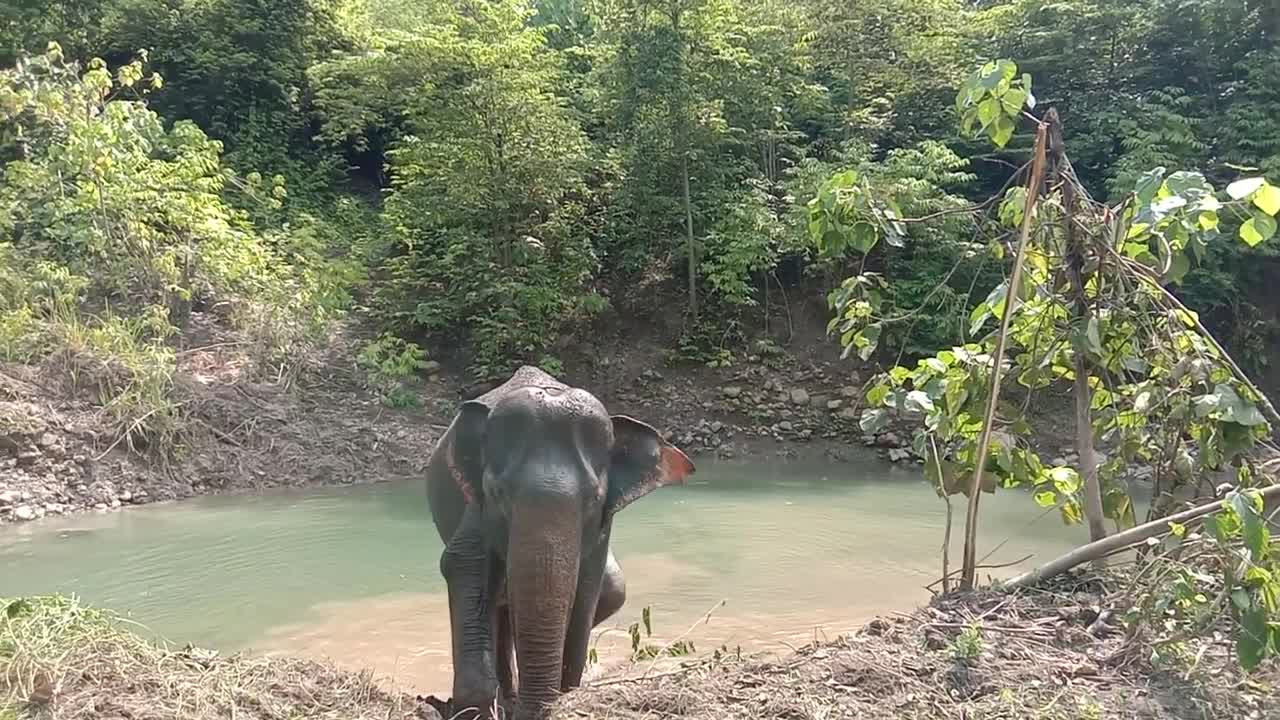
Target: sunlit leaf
(1257, 229)
(1065, 479)
(1244, 188)
(988, 110)
(1002, 130)
(1267, 198)
(918, 401)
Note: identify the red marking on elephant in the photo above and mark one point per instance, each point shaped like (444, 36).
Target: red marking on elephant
(459, 479)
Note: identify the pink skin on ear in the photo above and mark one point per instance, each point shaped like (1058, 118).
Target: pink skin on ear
(673, 466)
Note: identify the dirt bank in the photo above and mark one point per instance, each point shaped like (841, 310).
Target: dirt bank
(1057, 652)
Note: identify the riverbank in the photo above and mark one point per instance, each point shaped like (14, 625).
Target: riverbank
(243, 430)
(1058, 651)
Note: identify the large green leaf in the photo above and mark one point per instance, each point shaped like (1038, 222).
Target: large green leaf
(1002, 130)
(1251, 637)
(1148, 183)
(918, 401)
(873, 421)
(1253, 528)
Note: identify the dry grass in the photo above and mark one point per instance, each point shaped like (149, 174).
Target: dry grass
(60, 659)
(1041, 654)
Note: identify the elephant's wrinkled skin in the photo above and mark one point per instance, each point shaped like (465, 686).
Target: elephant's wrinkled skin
(523, 488)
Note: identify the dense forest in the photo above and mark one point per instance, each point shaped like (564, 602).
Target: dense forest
(490, 175)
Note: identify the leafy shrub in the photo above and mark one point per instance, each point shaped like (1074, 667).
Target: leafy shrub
(391, 364)
(114, 228)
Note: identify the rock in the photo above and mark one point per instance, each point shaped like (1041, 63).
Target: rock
(889, 440)
(431, 367)
(47, 440)
(849, 391)
(1059, 462)
(10, 497)
(785, 426)
(834, 404)
(717, 426)
(818, 401)
(799, 396)
(899, 455)
(731, 391)
(849, 414)
(24, 512)
(29, 455)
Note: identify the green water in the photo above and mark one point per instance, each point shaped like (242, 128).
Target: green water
(351, 574)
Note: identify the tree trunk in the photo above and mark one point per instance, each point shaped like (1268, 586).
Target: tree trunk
(1083, 318)
(691, 247)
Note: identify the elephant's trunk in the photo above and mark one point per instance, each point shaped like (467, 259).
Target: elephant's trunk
(543, 559)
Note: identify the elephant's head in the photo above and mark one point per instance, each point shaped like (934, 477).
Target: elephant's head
(554, 468)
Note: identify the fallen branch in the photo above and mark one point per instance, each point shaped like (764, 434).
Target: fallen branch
(1121, 541)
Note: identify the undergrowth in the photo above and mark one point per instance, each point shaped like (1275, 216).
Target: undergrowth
(61, 658)
(115, 228)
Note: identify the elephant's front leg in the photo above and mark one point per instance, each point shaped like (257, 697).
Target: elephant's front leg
(467, 569)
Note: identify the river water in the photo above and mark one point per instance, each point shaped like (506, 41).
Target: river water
(793, 549)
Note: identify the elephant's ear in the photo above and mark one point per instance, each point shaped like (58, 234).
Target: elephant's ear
(466, 455)
(641, 462)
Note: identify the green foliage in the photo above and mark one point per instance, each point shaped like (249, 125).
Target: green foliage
(935, 264)
(1159, 389)
(487, 215)
(116, 227)
(392, 364)
(1237, 575)
(967, 646)
(744, 243)
(993, 98)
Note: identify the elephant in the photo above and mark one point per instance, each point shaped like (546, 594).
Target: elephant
(523, 487)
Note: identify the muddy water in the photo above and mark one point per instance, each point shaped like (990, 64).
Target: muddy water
(792, 549)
